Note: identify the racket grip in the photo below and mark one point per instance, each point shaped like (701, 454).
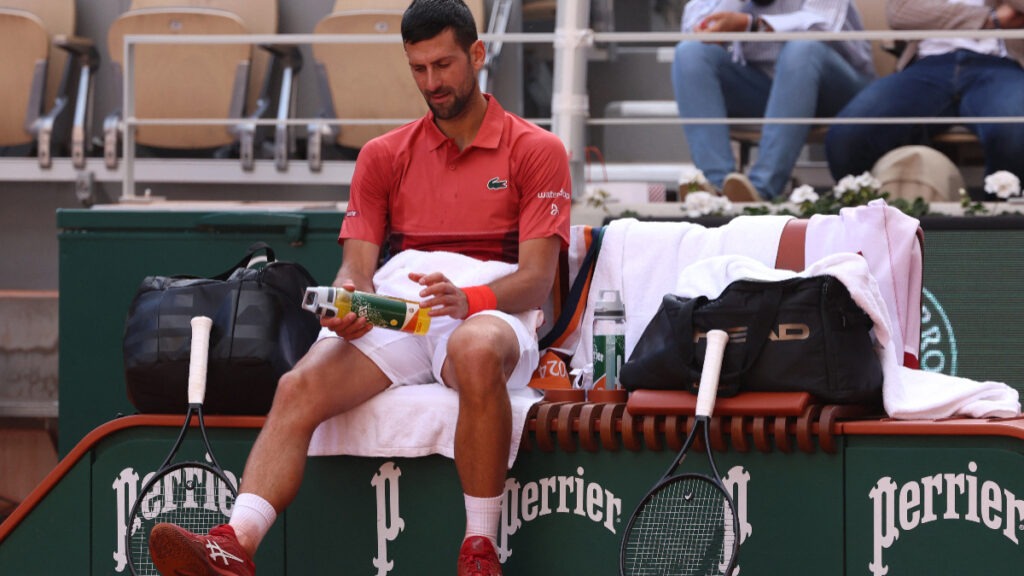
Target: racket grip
(706, 392)
(199, 354)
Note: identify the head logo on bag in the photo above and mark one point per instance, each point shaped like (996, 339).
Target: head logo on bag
(787, 331)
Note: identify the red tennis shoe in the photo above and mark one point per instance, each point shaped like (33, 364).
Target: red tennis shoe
(478, 558)
(177, 551)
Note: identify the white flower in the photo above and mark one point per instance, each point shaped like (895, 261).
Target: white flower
(1003, 184)
(845, 184)
(866, 180)
(691, 176)
(703, 203)
(803, 193)
(855, 184)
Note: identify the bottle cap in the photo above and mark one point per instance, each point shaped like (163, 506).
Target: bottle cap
(609, 304)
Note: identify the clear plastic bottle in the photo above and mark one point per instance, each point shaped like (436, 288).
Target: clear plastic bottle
(609, 340)
(383, 311)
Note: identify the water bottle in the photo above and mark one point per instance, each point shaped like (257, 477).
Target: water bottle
(609, 340)
(382, 311)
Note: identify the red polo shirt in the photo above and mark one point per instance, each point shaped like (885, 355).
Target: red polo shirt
(511, 184)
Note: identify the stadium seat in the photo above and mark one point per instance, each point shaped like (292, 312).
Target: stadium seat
(25, 45)
(235, 81)
(364, 81)
(272, 88)
(46, 100)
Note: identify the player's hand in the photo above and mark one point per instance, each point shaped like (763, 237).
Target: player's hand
(440, 296)
(724, 22)
(348, 326)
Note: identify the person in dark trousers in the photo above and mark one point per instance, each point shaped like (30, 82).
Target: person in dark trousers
(941, 77)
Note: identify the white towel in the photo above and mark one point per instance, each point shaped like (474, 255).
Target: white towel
(642, 260)
(906, 393)
(392, 279)
(887, 238)
(410, 421)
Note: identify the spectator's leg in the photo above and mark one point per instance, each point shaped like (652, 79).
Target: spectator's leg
(993, 87)
(708, 84)
(811, 80)
(922, 89)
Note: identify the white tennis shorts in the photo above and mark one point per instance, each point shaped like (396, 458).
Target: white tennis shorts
(408, 359)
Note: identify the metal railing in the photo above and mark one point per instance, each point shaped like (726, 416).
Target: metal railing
(570, 107)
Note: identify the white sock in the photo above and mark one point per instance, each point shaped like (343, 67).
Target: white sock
(483, 516)
(253, 516)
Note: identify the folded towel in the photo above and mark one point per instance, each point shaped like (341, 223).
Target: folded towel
(408, 422)
(887, 239)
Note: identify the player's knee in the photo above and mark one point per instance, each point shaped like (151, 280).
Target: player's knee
(293, 390)
(481, 357)
(476, 347)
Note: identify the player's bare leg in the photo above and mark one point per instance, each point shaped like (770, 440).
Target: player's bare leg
(482, 353)
(315, 390)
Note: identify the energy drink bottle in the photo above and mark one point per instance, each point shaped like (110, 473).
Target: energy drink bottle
(382, 311)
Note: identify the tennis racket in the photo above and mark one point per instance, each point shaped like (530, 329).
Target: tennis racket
(194, 495)
(686, 525)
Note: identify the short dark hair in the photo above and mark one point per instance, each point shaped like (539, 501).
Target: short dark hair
(425, 19)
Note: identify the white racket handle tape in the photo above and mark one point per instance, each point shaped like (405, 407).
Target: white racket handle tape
(717, 339)
(200, 352)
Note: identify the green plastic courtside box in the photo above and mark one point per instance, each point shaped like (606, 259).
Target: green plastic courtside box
(819, 489)
(105, 254)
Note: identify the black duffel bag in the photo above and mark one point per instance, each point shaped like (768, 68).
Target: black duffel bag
(803, 334)
(259, 332)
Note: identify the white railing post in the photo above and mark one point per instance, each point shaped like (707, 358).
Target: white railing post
(570, 106)
(128, 106)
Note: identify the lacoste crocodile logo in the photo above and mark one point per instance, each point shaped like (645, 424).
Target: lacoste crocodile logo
(497, 184)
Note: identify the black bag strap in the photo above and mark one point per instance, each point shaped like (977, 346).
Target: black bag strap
(254, 249)
(758, 331)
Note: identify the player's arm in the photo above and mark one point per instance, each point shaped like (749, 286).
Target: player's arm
(358, 263)
(529, 286)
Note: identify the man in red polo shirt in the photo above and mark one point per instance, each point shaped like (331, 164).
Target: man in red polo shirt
(473, 204)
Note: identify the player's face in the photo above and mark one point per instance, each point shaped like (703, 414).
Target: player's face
(445, 74)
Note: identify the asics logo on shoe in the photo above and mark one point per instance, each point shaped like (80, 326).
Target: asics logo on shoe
(217, 553)
(497, 184)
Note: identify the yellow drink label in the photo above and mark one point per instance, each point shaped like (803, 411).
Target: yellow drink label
(392, 313)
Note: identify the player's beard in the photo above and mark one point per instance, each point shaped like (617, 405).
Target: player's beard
(457, 104)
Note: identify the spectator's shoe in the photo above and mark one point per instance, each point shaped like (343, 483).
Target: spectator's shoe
(738, 188)
(177, 551)
(478, 558)
(686, 187)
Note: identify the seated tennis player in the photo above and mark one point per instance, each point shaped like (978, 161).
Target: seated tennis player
(468, 178)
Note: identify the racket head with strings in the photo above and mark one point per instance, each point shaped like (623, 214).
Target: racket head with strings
(194, 495)
(686, 525)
